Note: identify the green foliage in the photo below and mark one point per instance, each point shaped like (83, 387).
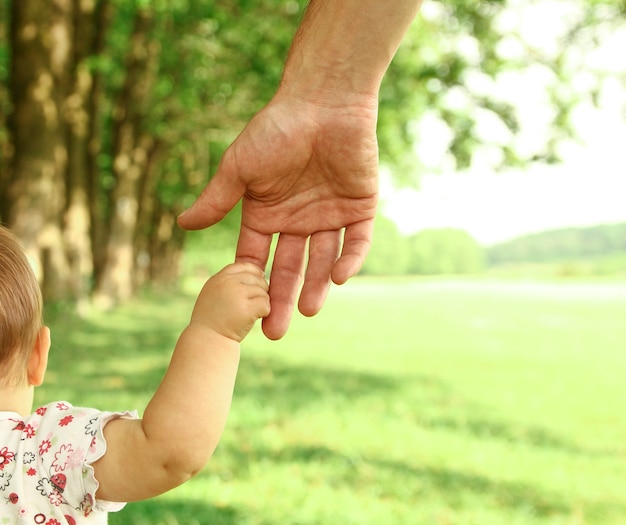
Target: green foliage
(562, 244)
(448, 68)
(417, 401)
(428, 252)
(4, 77)
(214, 67)
(389, 254)
(445, 251)
(434, 60)
(217, 64)
(208, 251)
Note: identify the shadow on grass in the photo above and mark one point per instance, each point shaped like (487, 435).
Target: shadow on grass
(174, 512)
(127, 351)
(458, 486)
(455, 487)
(289, 388)
(120, 358)
(496, 430)
(104, 355)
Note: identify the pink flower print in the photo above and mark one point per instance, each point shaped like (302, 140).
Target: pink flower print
(75, 458)
(19, 426)
(41, 411)
(62, 457)
(31, 471)
(6, 456)
(53, 521)
(56, 498)
(87, 505)
(29, 431)
(66, 421)
(44, 446)
(63, 406)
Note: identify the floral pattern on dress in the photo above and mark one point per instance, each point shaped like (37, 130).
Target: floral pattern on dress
(45, 465)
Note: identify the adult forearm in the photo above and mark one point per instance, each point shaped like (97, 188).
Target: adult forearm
(343, 47)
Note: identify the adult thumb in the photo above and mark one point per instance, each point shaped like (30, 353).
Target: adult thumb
(218, 197)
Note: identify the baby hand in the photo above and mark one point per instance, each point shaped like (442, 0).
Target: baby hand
(232, 300)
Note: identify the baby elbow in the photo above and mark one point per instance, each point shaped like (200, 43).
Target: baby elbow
(185, 466)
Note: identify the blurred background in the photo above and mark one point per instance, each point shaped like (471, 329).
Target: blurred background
(472, 373)
(498, 118)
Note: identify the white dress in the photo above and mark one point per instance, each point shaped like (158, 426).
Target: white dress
(46, 476)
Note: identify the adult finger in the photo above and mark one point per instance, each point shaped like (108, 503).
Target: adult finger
(356, 244)
(285, 282)
(323, 252)
(253, 247)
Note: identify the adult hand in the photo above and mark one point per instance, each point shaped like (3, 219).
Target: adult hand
(307, 164)
(309, 172)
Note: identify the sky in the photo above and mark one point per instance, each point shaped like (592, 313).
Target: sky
(587, 188)
(494, 208)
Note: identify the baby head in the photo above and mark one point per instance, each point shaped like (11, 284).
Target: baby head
(21, 318)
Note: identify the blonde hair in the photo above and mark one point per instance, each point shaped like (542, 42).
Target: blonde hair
(20, 310)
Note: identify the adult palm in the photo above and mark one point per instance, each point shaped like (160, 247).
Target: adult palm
(310, 173)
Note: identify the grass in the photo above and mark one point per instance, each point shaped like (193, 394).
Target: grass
(403, 402)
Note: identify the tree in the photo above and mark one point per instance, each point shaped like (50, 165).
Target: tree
(134, 149)
(126, 106)
(35, 184)
(455, 68)
(389, 254)
(445, 251)
(561, 244)
(140, 100)
(90, 21)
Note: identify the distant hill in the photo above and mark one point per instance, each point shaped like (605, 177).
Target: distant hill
(562, 244)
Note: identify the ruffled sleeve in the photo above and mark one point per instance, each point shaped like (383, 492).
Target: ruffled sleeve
(70, 440)
(95, 428)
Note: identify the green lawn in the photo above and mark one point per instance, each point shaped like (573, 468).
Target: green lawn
(404, 402)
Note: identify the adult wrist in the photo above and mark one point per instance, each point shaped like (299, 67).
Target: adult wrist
(329, 85)
(343, 48)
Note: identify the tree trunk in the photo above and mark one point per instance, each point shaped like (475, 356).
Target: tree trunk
(148, 201)
(5, 146)
(78, 117)
(41, 43)
(95, 101)
(131, 154)
(166, 246)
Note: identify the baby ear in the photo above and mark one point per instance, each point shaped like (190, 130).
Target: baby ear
(38, 361)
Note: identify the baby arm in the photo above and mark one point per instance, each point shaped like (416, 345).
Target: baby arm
(185, 418)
